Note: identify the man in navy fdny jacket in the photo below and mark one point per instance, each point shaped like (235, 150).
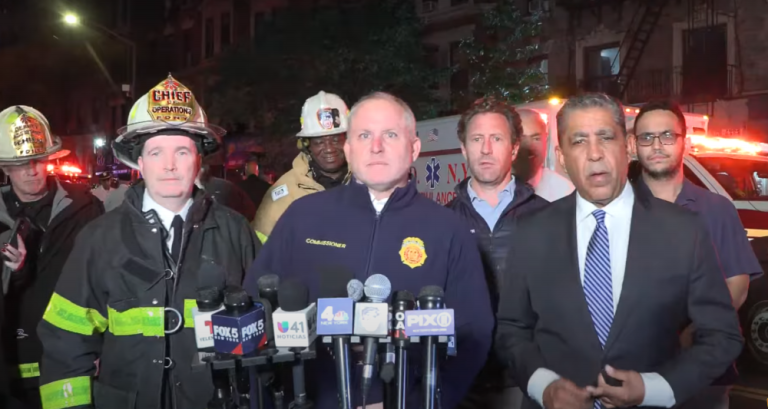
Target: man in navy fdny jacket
(380, 224)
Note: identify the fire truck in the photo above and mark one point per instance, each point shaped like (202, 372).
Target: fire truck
(732, 168)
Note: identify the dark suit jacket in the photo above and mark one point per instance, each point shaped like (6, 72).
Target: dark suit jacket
(672, 277)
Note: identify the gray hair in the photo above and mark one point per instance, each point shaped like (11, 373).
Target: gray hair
(591, 100)
(408, 116)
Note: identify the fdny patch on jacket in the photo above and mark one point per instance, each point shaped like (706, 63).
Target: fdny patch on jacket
(280, 191)
(412, 252)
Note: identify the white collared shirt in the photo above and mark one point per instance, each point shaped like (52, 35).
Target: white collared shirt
(551, 185)
(378, 204)
(618, 221)
(166, 216)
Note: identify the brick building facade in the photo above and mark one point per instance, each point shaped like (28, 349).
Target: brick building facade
(710, 55)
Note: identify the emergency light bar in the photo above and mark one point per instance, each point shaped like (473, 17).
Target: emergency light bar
(706, 144)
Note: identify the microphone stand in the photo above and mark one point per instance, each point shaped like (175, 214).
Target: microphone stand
(341, 359)
(300, 400)
(401, 376)
(429, 383)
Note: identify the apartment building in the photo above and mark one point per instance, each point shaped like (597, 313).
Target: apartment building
(709, 55)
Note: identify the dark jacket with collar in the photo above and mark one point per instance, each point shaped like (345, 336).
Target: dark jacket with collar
(72, 208)
(116, 276)
(413, 241)
(494, 245)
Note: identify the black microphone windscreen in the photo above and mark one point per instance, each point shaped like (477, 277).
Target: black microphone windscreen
(236, 297)
(403, 295)
(431, 291)
(268, 281)
(293, 295)
(210, 295)
(333, 282)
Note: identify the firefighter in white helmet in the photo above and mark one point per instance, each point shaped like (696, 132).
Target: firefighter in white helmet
(126, 293)
(319, 166)
(52, 213)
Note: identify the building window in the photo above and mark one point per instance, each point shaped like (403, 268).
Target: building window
(705, 63)
(432, 58)
(428, 6)
(538, 6)
(258, 23)
(601, 65)
(460, 78)
(186, 56)
(458, 2)
(226, 31)
(209, 45)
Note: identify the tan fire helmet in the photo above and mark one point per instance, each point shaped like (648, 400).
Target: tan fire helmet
(169, 108)
(25, 135)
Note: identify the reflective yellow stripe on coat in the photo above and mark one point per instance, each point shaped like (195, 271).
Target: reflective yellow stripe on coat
(66, 393)
(29, 370)
(65, 314)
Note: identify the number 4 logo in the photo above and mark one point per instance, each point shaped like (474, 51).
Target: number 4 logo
(327, 313)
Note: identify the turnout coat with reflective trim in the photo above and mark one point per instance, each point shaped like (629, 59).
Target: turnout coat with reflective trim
(110, 300)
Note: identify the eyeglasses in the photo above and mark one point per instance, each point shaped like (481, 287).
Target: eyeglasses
(665, 138)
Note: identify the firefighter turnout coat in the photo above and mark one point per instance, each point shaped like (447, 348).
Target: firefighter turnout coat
(113, 302)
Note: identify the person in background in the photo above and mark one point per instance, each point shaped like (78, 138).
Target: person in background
(101, 190)
(380, 223)
(320, 165)
(54, 214)
(659, 143)
(489, 200)
(254, 184)
(110, 191)
(546, 182)
(226, 193)
(603, 280)
(126, 293)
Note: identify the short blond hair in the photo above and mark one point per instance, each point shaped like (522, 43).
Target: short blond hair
(408, 116)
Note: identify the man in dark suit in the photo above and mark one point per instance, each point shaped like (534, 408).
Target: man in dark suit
(604, 280)
(253, 184)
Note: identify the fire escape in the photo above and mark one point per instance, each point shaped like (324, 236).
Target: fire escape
(632, 46)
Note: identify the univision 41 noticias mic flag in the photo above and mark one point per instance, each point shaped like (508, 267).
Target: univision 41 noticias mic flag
(423, 323)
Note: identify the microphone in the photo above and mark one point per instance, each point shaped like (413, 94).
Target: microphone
(371, 323)
(241, 328)
(209, 301)
(355, 290)
(335, 314)
(429, 322)
(295, 322)
(268, 286)
(295, 326)
(402, 301)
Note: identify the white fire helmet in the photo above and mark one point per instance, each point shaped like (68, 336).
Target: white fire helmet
(323, 114)
(169, 108)
(25, 135)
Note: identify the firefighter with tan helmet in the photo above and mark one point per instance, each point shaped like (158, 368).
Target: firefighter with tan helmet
(126, 293)
(319, 166)
(47, 215)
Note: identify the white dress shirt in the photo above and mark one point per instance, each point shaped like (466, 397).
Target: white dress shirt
(551, 185)
(618, 221)
(166, 216)
(378, 204)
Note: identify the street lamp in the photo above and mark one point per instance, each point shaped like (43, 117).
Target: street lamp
(99, 142)
(72, 19)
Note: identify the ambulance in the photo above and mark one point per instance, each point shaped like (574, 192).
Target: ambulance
(732, 168)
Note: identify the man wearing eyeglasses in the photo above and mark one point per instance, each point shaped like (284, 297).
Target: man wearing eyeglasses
(659, 143)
